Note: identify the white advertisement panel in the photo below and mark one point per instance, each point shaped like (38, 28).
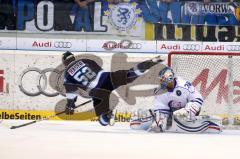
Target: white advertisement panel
(221, 47)
(136, 46)
(7, 43)
(51, 44)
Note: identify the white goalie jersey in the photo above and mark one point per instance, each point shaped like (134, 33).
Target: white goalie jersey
(177, 98)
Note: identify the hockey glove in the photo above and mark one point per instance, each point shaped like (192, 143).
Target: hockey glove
(189, 112)
(70, 106)
(158, 59)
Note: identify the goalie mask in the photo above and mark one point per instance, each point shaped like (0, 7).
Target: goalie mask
(67, 58)
(166, 77)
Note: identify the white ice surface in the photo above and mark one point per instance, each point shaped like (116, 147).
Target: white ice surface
(89, 140)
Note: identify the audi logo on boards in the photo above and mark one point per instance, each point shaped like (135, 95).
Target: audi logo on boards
(128, 44)
(191, 47)
(41, 82)
(62, 44)
(124, 44)
(233, 48)
(135, 46)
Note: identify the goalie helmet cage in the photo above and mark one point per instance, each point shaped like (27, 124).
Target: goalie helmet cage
(217, 77)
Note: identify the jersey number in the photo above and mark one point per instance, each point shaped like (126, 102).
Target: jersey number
(84, 76)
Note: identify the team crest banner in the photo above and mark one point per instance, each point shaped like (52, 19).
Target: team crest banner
(98, 18)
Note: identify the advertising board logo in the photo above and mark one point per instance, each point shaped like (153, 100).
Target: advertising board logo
(42, 82)
(233, 48)
(214, 48)
(170, 46)
(62, 44)
(135, 46)
(49, 44)
(1, 81)
(216, 84)
(124, 44)
(123, 16)
(191, 47)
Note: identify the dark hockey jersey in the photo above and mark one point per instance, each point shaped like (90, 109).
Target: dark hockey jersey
(81, 73)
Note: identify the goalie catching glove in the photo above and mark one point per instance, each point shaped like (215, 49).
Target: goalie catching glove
(189, 112)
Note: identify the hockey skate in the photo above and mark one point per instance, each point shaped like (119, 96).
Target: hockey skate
(108, 118)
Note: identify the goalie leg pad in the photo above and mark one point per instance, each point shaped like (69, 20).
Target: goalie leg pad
(141, 123)
(202, 124)
(141, 120)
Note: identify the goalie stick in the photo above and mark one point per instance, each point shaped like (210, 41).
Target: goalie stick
(49, 117)
(155, 120)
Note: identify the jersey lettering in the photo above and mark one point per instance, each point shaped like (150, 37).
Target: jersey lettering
(72, 70)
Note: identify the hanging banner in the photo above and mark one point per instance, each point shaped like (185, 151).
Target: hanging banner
(183, 32)
(68, 17)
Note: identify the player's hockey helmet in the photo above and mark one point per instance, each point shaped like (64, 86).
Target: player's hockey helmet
(166, 76)
(67, 58)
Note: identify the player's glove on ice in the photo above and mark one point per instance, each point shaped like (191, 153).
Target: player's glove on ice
(70, 106)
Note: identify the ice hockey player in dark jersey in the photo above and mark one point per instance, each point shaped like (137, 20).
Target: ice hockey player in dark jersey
(87, 75)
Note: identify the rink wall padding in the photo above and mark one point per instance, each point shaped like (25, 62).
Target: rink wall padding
(33, 80)
(31, 84)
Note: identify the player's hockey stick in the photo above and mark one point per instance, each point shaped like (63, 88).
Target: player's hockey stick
(154, 118)
(49, 117)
